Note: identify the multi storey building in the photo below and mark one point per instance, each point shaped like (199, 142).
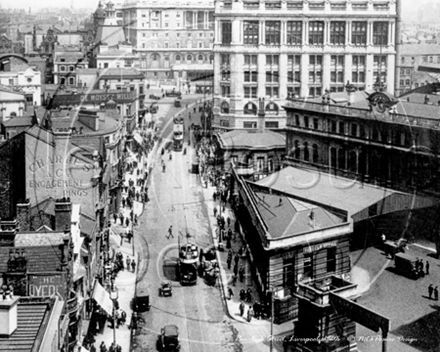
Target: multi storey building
(174, 39)
(273, 48)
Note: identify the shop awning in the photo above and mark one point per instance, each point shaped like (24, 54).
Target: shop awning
(102, 297)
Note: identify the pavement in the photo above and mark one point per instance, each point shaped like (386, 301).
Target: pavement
(125, 281)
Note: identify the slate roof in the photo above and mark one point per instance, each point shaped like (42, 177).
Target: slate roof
(40, 259)
(19, 121)
(32, 319)
(292, 216)
(111, 35)
(427, 111)
(252, 140)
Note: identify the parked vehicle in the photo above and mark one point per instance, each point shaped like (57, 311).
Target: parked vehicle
(177, 103)
(155, 97)
(168, 340)
(393, 247)
(165, 289)
(407, 265)
(173, 93)
(188, 263)
(154, 108)
(141, 302)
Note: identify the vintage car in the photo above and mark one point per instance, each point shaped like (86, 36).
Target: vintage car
(168, 340)
(178, 103)
(165, 289)
(154, 97)
(173, 93)
(141, 302)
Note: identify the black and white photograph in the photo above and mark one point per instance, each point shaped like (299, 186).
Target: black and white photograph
(219, 176)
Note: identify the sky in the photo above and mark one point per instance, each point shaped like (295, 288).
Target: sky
(409, 7)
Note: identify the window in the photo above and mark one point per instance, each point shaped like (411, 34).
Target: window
(62, 68)
(200, 19)
(178, 58)
(306, 121)
(226, 92)
(189, 58)
(250, 92)
(380, 68)
(250, 32)
(354, 130)
(337, 69)
(331, 259)
(105, 64)
(288, 271)
(250, 76)
(71, 68)
(71, 80)
(166, 45)
(250, 59)
(315, 123)
(316, 33)
(308, 265)
(337, 33)
(272, 60)
(224, 108)
(273, 29)
(294, 32)
(315, 69)
(358, 69)
(341, 127)
(272, 91)
(380, 33)
(154, 57)
(359, 33)
(200, 58)
(249, 124)
(226, 32)
(294, 69)
(272, 77)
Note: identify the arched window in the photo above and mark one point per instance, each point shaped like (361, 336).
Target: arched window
(211, 59)
(306, 151)
(154, 57)
(224, 108)
(71, 81)
(62, 80)
(250, 109)
(296, 149)
(272, 107)
(188, 58)
(71, 68)
(178, 58)
(62, 68)
(200, 58)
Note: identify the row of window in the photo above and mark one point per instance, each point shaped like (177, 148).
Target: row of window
(316, 33)
(166, 45)
(377, 133)
(250, 108)
(178, 57)
(189, 34)
(64, 68)
(425, 59)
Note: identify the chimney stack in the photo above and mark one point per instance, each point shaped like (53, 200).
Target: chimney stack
(8, 311)
(23, 215)
(63, 214)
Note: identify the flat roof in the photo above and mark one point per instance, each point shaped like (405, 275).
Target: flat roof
(327, 189)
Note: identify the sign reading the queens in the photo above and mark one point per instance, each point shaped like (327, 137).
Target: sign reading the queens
(93, 98)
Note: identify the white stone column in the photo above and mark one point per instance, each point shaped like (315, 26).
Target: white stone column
(261, 32)
(370, 33)
(261, 91)
(326, 68)
(236, 32)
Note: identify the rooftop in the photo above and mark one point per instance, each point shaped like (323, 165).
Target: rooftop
(419, 49)
(286, 216)
(252, 140)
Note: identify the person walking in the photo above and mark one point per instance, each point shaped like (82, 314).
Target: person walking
(436, 293)
(427, 268)
(250, 313)
(229, 260)
(241, 307)
(170, 232)
(241, 273)
(430, 291)
(215, 211)
(92, 348)
(128, 261)
(102, 347)
(234, 279)
(230, 293)
(133, 265)
(127, 221)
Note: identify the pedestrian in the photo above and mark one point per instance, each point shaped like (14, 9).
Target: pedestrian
(92, 348)
(115, 217)
(250, 313)
(241, 273)
(215, 211)
(121, 218)
(127, 221)
(102, 347)
(241, 307)
(236, 258)
(170, 232)
(129, 236)
(427, 268)
(235, 269)
(128, 261)
(249, 295)
(430, 291)
(436, 293)
(229, 260)
(234, 279)
(133, 265)
(230, 293)
(421, 265)
(123, 317)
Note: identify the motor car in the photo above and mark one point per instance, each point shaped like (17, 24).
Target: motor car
(173, 93)
(177, 103)
(168, 340)
(154, 97)
(165, 289)
(141, 302)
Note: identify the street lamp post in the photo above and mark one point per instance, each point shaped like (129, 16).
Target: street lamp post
(114, 297)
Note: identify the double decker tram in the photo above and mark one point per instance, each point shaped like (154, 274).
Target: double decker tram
(178, 130)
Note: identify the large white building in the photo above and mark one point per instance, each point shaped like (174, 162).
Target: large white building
(268, 49)
(173, 38)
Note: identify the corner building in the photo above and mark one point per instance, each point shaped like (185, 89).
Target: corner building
(268, 49)
(172, 38)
